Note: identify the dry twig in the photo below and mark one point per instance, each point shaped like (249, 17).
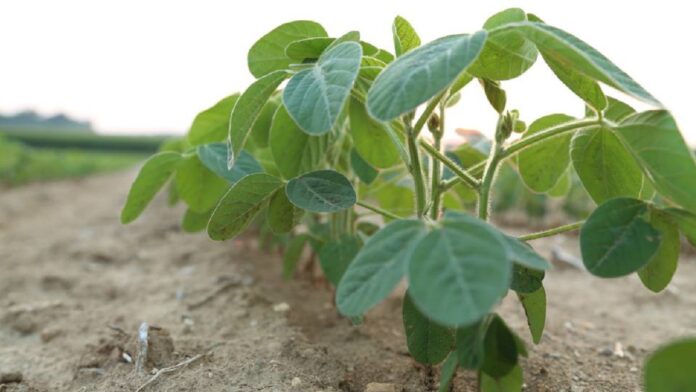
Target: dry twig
(176, 367)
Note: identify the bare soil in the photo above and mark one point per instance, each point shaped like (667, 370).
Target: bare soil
(75, 285)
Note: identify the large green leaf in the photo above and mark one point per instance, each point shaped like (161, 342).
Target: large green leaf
(575, 54)
(427, 341)
(214, 157)
(459, 271)
(405, 36)
(659, 148)
(261, 130)
(522, 253)
(605, 167)
(534, 305)
(526, 280)
(582, 85)
(507, 54)
(500, 346)
(421, 74)
(378, 267)
(294, 151)
(659, 271)
(543, 164)
(240, 205)
(152, 176)
(282, 215)
(316, 96)
(470, 343)
(249, 107)
(199, 187)
(321, 191)
(193, 222)
(670, 369)
(335, 257)
(268, 53)
(616, 239)
(308, 48)
(511, 382)
(370, 138)
(211, 124)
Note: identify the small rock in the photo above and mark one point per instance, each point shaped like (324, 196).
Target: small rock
(633, 369)
(49, 334)
(382, 387)
(618, 350)
(10, 377)
(607, 352)
(296, 382)
(281, 307)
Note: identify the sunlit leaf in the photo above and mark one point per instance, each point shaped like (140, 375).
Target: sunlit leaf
(211, 125)
(405, 36)
(659, 271)
(199, 187)
(152, 176)
(321, 191)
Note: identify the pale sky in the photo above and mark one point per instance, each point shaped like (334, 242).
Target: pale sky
(137, 66)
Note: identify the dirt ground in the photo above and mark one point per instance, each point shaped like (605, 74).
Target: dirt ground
(75, 285)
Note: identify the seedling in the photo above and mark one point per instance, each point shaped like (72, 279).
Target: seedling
(358, 131)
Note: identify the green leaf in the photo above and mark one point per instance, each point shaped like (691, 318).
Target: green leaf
(583, 86)
(261, 129)
(362, 169)
(526, 280)
(316, 96)
(405, 36)
(470, 343)
(427, 341)
(655, 142)
(335, 257)
(351, 36)
(605, 167)
(507, 54)
(523, 254)
(321, 191)
(447, 372)
(156, 171)
(211, 124)
(500, 348)
(378, 267)
(240, 205)
(308, 48)
(268, 53)
(371, 139)
(686, 222)
(199, 187)
(659, 271)
(563, 186)
(511, 382)
(543, 164)
(670, 368)
(214, 157)
(396, 198)
(616, 110)
(249, 107)
(459, 271)
(496, 96)
(294, 151)
(575, 54)
(616, 239)
(421, 74)
(534, 305)
(293, 252)
(194, 222)
(282, 215)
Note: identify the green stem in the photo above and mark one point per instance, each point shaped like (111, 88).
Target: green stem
(461, 174)
(416, 172)
(487, 180)
(436, 165)
(550, 232)
(378, 210)
(538, 137)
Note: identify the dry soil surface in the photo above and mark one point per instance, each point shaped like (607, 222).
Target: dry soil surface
(75, 286)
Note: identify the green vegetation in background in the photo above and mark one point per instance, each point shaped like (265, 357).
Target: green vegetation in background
(74, 139)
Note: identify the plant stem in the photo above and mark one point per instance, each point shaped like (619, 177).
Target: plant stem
(378, 210)
(550, 232)
(487, 180)
(538, 137)
(416, 171)
(461, 174)
(436, 165)
(425, 116)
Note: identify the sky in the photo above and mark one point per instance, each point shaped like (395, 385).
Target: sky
(148, 66)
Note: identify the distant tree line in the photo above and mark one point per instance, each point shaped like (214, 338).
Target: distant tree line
(34, 120)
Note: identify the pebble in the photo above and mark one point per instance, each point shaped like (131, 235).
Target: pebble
(10, 377)
(296, 382)
(381, 387)
(281, 307)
